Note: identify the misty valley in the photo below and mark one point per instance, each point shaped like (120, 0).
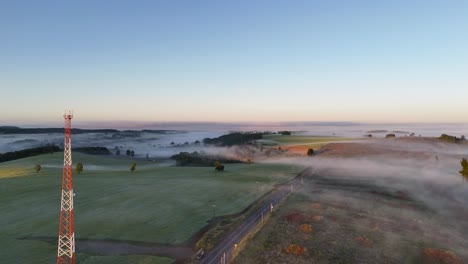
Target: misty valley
(335, 194)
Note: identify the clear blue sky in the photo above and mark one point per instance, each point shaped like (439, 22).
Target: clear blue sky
(363, 61)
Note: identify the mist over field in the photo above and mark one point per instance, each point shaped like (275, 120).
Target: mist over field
(407, 188)
(184, 135)
(404, 197)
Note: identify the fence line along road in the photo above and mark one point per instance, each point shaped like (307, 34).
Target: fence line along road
(222, 253)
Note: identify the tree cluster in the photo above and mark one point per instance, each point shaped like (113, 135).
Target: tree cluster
(197, 159)
(451, 139)
(237, 138)
(93, 150)
(285, 133)
(20, 154)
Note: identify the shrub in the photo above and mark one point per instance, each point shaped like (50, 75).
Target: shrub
(464, 171)
(79, 167)
(306, 228)
(219, 167)
(37, 168)
(295, 249)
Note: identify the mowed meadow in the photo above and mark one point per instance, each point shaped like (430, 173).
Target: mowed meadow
(153, 204)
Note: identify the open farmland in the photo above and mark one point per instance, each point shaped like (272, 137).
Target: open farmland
(299, 144)
(160, 205)
(302, 139)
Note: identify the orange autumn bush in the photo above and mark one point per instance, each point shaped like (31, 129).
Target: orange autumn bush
(306, 228)
(295, 249)
(364, 241)
(441, 256)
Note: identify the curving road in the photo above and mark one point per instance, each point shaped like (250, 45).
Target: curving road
(222, 252)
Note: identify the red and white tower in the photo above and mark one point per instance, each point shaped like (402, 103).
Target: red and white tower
(66, 236)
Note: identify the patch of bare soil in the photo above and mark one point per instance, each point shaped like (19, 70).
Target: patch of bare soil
(299, 150)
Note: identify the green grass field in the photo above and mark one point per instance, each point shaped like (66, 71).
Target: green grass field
(153, 204)
(301, 139)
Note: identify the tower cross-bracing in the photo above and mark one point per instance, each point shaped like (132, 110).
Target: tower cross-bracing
(66, 236)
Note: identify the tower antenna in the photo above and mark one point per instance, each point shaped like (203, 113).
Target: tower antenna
(66, 236)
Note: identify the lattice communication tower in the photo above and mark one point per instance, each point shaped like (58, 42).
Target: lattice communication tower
(66, 236)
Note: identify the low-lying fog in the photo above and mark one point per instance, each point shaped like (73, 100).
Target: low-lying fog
(423, 169)
(155, 145)
(433, 194)
(185, 136)
(424, 173)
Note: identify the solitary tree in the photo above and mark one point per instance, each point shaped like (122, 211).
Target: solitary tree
(37, 168)
(118, 152)
(79, 167)
(132, 153)
(464, 171)
(310, 152)
(127, 152)
(133, 167)
(219, 167)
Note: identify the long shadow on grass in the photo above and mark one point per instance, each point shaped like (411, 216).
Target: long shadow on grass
(121, 248)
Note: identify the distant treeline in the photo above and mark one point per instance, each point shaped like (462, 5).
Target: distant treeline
(237, 138)
(93, 150)
(19, 130)
(20, 154)
(197, 159)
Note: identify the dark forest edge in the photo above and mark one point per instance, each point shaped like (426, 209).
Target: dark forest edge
(49, 149)
(25, 153)
(93, 150)
(232, 139)
(196, 159)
